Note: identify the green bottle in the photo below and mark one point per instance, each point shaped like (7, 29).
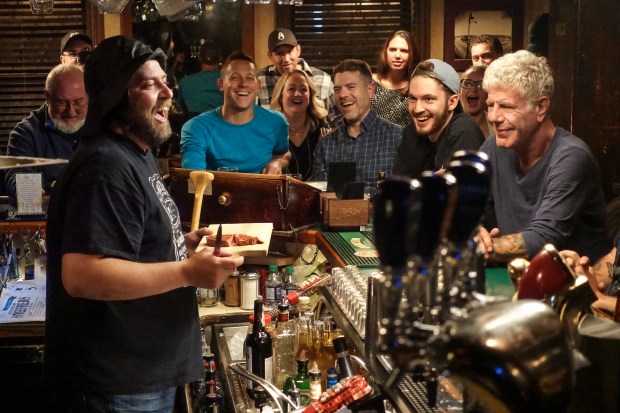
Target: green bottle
(302, 380)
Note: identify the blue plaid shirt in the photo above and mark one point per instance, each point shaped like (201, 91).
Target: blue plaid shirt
(374, 149)
(269, 76)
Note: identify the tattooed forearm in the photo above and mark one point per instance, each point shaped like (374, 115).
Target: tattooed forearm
(507, 248)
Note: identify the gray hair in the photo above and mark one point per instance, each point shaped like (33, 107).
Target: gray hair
(58, 72)
(524, 72)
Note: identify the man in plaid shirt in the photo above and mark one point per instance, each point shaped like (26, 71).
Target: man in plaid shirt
(362, 137)
(284, 53)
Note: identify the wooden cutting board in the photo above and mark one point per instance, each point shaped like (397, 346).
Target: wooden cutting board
(260, 230)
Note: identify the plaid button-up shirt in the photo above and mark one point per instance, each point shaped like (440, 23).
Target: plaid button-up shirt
(373, 150)
(269, 76)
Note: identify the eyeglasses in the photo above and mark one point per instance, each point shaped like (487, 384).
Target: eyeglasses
(75, 53)
(61, 105)
(470, 84)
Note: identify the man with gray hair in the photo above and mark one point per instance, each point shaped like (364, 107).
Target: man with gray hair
(546, 185)
(52, 130)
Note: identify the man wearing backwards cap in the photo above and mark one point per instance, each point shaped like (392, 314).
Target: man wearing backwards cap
(440, 127)
(72, 44)
(122, 327)
(284, 52)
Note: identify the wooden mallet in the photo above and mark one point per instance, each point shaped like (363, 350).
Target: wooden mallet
(200, 179)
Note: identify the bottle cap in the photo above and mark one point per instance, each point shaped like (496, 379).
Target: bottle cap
(273, 268)
(293, 297)
(290, 269)
(267, 318)
(314, 371)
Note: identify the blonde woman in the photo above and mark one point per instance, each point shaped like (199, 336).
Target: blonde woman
(295, 96)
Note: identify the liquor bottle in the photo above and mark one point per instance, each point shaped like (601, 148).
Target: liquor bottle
(332, 378)
(303, 333)
(343, 361)
(302, 380)
(214, 396)
(328, 355)
(285, 346)
(288, 286)
(273, 287)
(315, 382)
(258, 348)
(292, 391)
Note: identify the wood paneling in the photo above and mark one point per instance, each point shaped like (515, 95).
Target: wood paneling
(30, 47)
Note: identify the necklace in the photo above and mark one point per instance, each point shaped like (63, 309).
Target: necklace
(292, 148)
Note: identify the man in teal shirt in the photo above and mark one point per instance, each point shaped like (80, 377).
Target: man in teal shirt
(240, 133)
(199, 92)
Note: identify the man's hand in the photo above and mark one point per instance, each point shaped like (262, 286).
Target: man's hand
(204, 270)
(501, 249)
(581, 266)
(192, 239)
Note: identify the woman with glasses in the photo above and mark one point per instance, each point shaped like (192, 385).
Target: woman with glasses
(474, 98)
(397, 59)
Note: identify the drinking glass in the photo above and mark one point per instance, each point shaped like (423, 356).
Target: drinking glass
(228, 169)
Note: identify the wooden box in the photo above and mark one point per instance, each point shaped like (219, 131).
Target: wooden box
(236, 198)
(344, 212)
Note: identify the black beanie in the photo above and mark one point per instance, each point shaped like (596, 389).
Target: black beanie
(107, 72)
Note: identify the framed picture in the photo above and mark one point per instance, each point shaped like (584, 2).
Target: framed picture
(464, 20)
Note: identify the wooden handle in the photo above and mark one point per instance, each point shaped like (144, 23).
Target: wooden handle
(200, 179)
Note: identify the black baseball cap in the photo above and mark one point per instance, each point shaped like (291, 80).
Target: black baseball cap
(74, 35)
(281, 36)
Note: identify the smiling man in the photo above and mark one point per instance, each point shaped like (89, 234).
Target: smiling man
(121, 324)
(546, 184)
(52, 130)
(362, 137)
(440, 127)
(485, 49)
(284, 53)
(239, 133)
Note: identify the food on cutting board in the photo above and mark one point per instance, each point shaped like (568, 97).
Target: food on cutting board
(234, 240)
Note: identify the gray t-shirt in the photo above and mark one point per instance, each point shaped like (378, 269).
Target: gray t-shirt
(560, 201)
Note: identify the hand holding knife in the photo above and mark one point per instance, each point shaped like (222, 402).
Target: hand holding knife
(218, 242)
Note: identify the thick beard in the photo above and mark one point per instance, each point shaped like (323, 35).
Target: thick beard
(66, 127)
(144, 126)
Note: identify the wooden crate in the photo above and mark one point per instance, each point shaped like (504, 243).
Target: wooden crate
(344, 212)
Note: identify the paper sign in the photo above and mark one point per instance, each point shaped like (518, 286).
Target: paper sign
(29, 190)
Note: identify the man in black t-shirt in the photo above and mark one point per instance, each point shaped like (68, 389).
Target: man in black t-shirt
(440, 127)
(122, 325)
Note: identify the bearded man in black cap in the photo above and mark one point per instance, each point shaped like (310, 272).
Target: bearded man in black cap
(122, 327)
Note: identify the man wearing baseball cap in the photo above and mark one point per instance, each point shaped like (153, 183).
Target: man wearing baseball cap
(440, 127)
(72, 44)
(121, 324)
(284, 52)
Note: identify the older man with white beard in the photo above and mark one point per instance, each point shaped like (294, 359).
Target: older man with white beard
(52, 130)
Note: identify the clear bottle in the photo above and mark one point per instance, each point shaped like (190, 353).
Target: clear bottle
(273, 287)
(258, 348)
(288, 286)
(285, 346)
(303, 333)
(315, 382)
(328, 357)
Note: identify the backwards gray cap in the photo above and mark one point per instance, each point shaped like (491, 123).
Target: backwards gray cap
(440, 70)
(107, 73)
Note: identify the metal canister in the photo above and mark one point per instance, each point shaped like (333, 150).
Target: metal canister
(232, 284)
(248, 290)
